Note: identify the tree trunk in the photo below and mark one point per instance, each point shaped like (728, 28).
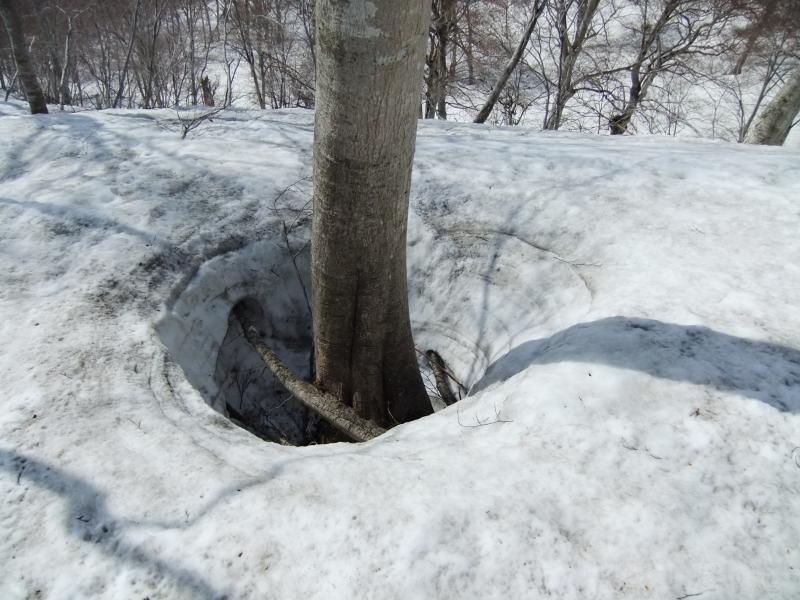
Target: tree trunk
(774, 124)
(569, 53)
(369, 65)
(63, 87)
(27, 76)
(468, 52)
(124, 73)
(618, 124)
(11, 86)
(438, 78)
(512, 64)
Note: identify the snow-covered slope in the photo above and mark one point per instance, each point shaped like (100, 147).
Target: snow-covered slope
(624, 310)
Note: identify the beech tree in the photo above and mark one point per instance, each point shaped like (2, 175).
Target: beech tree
(773, 17)
(25, 71)
(773, 125)
(370, 57)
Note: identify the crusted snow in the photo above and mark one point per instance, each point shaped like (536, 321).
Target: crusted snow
(623, 309)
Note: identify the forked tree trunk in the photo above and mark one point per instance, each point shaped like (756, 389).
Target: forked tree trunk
(774, 124)
(27, 76)
(369, 65)
(570, 50)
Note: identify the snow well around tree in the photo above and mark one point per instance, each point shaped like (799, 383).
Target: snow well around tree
(467, 328)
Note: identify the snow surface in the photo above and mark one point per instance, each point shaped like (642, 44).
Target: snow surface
(624, 310)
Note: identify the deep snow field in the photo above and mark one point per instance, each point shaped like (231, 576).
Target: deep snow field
(626, 312)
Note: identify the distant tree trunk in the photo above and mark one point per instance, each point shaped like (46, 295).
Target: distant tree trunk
(469, 42)
(11, 86)
(569, 51)
(27, 76)
(63, 86)
(765, 19)
(486, 110)
(364, 141)
(123, 75)
(618, 124)
(773, 126)
(438, 74)
(208, 91)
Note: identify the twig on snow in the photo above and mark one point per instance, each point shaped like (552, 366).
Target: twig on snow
(481, 423)
(692, 595)
(193, 121)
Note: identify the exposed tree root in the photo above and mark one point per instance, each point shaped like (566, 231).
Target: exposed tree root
(342, 417)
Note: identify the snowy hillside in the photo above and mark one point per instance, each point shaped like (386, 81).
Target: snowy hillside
(624, 310)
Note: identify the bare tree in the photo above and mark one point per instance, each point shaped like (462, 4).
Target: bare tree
(266, 41)
(63, 87)
(437, 74)
(770, 62)
(363, 151)
(123, 74)
(777, 119)
(487, 107)
(573, 24)
(668, 32)
(771, 18)
(25, 70)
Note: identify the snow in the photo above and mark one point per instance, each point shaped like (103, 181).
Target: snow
(623, 309)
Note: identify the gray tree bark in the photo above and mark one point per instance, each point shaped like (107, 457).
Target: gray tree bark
(27, 76)
(369, 66)
(776, 120)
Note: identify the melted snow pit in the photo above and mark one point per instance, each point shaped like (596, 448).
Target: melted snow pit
(475, 296)
(216, 358)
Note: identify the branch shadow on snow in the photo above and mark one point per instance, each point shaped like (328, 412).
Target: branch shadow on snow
(87, 517)
(78, 219)
(699, 355)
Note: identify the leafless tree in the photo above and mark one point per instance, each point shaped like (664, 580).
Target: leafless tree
(668, 33)
(513, 61)
(19, 48)
(266, 39)
(437, 74)
(779, 18)
(572, 20)
(777, 119)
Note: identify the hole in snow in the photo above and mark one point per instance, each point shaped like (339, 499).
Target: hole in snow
(473, 297)
(208, 344)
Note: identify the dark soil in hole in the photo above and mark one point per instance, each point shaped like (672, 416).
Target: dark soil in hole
(251, 396)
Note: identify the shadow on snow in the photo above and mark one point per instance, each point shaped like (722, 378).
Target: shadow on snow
(699, 355)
